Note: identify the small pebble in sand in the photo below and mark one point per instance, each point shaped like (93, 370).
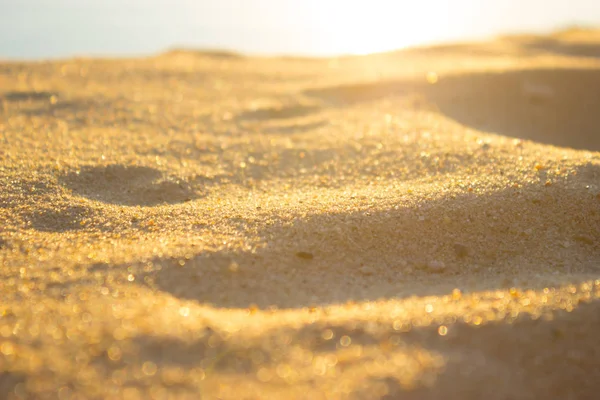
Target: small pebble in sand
(537, 93)
(584, 239)
(367, 271)
(304, 255)
(461, 250)
(234, 267)
(436, 266)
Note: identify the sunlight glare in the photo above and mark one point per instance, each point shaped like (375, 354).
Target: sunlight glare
(379, 25)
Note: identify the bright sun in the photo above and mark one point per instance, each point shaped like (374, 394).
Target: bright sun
(378, 25)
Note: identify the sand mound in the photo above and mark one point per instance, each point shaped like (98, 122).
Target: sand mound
(527, 104)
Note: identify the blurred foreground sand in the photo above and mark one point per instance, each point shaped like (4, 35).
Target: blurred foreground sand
(419, 225)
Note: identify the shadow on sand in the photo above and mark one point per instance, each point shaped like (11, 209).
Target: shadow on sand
(77, 112)
(551, 106)
(472, 367)
(556, 46)
(128, 185)
(333, 258)
(321, 260)
(324, 255)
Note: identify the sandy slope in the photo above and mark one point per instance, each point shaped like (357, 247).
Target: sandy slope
(419, 225)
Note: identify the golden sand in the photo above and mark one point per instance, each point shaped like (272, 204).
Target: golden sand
(419, 225)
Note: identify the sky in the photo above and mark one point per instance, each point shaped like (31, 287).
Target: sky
(63, 28)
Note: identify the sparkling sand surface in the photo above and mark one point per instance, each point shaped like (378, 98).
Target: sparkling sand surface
(422, 224)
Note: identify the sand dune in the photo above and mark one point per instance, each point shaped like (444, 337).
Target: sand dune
(421, 224)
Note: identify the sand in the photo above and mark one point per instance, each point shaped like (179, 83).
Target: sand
(421, 224)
